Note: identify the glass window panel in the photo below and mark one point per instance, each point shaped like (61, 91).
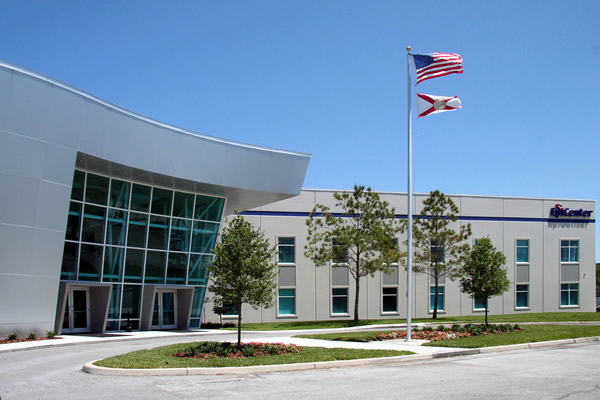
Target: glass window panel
(523, 296)
(73, 221)
(161, 201)
(479, 303)
(573, 254)
(113, 264)
(197, 302)
(437, 252)
(115, 302)
(135, 325)
(134, 265)
(204, 237)
(138, 223)
(131, 301)
(339, 301)
(119, 194)
(180, 234)
(93, 224)
(564, 297)
(112, 325)
(183, 205)
(440, 303)
(574, 297)
(115, 234)
(564, 254)
(90, 263)
(177, 268)
(69, 262)
(523, 251)
(209, 208)
(140, 197)
(156, 262)
(286, 292)
(77, 188)
(287, 302)
(286, 250)
(158, 235)
(96, 189)
(198, 273)
(390, 300)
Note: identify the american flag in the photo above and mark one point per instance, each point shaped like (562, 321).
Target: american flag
(437, 64)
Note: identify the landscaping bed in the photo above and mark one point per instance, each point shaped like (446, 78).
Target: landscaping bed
(170, 356)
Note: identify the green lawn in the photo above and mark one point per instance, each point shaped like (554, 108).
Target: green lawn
(511, 318)
(160, 357)
(530, 333)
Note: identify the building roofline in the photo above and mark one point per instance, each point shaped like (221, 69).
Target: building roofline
(122, 110)
(454, 195)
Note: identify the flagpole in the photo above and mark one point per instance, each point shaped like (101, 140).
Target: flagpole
(409, 212)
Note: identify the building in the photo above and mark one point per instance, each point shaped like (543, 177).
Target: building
(107, 218)
(549, 246)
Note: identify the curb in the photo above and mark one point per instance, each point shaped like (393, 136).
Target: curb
(90, 368)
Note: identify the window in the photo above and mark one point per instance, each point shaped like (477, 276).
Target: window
(569, 251)
(440, 302)
(286, 248)
(569, 273)
(390, 299)
(522, 296)
(569, 294)
(339, 301)
(287, 301)
(389, 291)
(479, 303)
(437, 252)
(522, 251)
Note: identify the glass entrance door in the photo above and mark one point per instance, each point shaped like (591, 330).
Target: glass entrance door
(164, 315)
(77, 311)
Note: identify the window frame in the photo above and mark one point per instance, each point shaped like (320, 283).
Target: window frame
(432, 297)
(287, 287)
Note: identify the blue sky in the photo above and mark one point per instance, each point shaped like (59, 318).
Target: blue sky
(329, 77)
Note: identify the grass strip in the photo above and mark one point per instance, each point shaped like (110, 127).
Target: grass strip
(505, 318)
(160, 357)
(530, 333)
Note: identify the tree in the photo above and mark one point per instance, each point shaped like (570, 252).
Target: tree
(439, 250)
(483, 274)
(362, 237)
(243, 269)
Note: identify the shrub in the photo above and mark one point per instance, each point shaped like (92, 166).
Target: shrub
(12, 336)
(31, 336)
(51, 334)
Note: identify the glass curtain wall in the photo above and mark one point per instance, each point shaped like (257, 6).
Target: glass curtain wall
(129, 234)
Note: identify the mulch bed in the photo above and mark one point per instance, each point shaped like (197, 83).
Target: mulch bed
(6, 341)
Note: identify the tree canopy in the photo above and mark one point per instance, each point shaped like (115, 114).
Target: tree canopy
(483, 274)
(243, 270)
(439, 249)
(361, 237)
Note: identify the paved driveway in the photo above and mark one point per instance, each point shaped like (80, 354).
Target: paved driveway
(566, 371)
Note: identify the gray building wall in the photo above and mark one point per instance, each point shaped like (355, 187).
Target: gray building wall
(503, 219)
(48, 128)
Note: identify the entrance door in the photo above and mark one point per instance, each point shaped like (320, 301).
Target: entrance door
(77, 311)
(164, 315)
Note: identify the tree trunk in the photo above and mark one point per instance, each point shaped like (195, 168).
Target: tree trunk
(239, 336)
(486, 311)
(357, 280)
(435, 298)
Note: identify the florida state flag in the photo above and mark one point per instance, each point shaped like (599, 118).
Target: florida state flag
(430, 104)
